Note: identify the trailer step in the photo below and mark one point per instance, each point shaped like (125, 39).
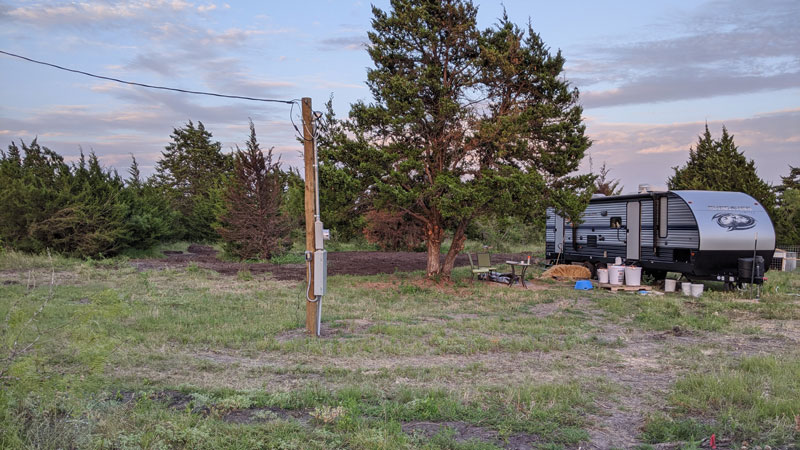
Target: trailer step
(623, 287)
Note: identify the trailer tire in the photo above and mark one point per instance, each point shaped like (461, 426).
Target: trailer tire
(657, 275)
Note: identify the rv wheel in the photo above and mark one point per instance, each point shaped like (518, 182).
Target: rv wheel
(730, 286)
(657, 275)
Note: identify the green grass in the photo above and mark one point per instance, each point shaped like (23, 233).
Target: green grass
(755, 399)
(398, 349)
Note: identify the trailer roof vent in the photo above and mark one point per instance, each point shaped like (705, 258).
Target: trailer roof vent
(647, 188)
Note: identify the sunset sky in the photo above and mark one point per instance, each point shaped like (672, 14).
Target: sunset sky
(651, 74)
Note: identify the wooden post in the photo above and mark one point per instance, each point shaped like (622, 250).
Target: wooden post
(308, 157)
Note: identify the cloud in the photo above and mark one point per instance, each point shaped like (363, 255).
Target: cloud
(640, 153)
(156, 63)
(141, 122)
(82, 13)
(678, 85)
(357, 42)
(719, 48)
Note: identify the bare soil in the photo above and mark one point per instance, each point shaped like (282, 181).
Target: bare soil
(465, 432)
(339, 263)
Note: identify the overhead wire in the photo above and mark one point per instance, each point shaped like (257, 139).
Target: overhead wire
(149, 86)
(313, 131)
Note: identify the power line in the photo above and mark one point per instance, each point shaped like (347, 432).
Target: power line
(149, 86)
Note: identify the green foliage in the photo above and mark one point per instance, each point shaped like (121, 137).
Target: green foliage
(79, 210)
(30, 193)
(151, 220)
(254, 224)
(787, 217)
(425, 148)
(718, 165)
(347, 168)
(659, 428)
(757, 398)
(90, 218)
(505, 233)
(193, 173)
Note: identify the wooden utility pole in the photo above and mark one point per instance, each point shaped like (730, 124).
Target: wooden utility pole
(310, 197)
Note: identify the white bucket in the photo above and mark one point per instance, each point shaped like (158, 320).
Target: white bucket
(602, 276)
(633, 275)
(616, 274)
(686, 287)
(669, 285)
(697, 290)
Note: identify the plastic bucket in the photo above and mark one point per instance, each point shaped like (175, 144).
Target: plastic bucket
(669, 285)
(697, 290)
(602, 276)
(633, 275)
(616, 274)
(686, 288)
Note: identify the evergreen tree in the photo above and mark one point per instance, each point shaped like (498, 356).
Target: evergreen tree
(718, 165)
(151, 219)
(605, 185)
(791, 181)
(31, 180)
(465, 123)
(254, 225)
(348, 166)
(89, 220)
(787, 215)
(193, 171)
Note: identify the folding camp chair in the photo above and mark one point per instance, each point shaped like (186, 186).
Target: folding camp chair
(481, 268)
(485, 262)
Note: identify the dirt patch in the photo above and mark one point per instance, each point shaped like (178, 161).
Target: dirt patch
(339, 263)
(251, 415)
(338, 329)
(465, 432)
(179, 401)
(173, 399)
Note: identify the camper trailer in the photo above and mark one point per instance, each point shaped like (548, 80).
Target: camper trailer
(704, 235)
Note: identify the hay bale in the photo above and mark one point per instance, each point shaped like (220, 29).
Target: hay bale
(567, 271)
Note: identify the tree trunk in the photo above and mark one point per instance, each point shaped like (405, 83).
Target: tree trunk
(459, 237)
(433, 239)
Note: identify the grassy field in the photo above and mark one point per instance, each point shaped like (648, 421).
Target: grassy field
(99, 355)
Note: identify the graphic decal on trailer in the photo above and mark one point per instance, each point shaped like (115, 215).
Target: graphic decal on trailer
(734, 221)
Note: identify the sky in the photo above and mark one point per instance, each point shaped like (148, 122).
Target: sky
(651, 74)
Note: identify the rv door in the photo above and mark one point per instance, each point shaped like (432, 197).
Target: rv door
(559, 242)
(634, 231)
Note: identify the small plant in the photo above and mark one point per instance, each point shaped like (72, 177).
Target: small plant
(266, 415)
(325, 414)
(193, 268)
(289, 258)
(244, 275)
(235, 402)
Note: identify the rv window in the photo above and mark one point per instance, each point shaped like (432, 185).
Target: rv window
(662, 217)
(616, 222)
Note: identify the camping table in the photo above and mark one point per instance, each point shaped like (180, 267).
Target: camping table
(514, 276)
